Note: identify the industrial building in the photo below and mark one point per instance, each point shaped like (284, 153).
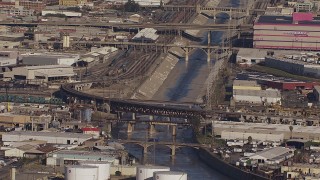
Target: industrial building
(300, 31)
(62, 157)
(274, 155)
(146, 35)
(264, 131)
(298, 67)
(8, 58)
(142, 2)
(25, 121)
(274, 82)
(66, 13)
(17, 11)
(50, 137)
(34, 5)
(246, 85)
(257, 96)
(40, 59)
(49, 73)
(316, 92)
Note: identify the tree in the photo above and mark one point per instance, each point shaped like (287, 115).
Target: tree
(291, 129)
(131, 6)
(195, 122)
(249, 140)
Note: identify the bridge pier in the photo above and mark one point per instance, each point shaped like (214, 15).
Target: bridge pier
(119, 115)
(130, 127)
(173, 150)
(145, 149)
(152, 128)
(174, 130)
(151, 117)
(208, 52)
(134, 116)
(187, 50)
(109, 127)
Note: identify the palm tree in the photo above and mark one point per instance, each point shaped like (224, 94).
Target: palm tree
(249, 140)
(291, 129)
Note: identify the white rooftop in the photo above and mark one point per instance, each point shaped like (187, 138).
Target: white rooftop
(259, 93)
(245, 83)
(50, 134)
(272, 152)
(274, 128)
(46, 67)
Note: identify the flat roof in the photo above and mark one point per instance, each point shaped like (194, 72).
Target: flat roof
(293, 61)
(272, 152)
(270, 19)
(265, 77)
(317, 88)
(260, 93)
(46, 67)
(264, 126)
(55, 72)
(46, 55)
(238, 82)
(50, 134)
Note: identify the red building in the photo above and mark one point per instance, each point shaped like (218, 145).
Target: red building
(300, 31)
(35, 5)
(286, 85)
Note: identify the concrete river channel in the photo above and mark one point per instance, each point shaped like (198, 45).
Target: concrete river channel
(182, 87)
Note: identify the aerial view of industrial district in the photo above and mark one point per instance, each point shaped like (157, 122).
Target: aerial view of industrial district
(159, 89)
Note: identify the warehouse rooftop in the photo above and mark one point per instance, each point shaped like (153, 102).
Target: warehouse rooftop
(269, 19)
(49, 134)
(274, 128)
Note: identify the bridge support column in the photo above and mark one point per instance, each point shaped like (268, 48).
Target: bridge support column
(174, 130)
(173, 150)
(130, 127)
(151, 117)
(187, 50)
(198, 10)
(145, 149)
(209, 38)
(109, 127)
(208, 52)
(134, 116)
(119, 115)
(152, 128)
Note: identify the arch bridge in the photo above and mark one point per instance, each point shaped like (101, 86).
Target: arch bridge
(172, 145)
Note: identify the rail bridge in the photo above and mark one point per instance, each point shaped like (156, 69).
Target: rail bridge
(151, 124)
(172, 145)
(158, 26)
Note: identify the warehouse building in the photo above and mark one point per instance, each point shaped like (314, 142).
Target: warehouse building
(299, 31)
(66, 13)
(8, 58)
(257, 96)
(49, 137)
(49, 73)
(264, 131)
(59, 158)
(292, 66)
(274, 82)
(40, 59)
(316, 92)
(146, 35)
(246, 85)
(273, 155)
